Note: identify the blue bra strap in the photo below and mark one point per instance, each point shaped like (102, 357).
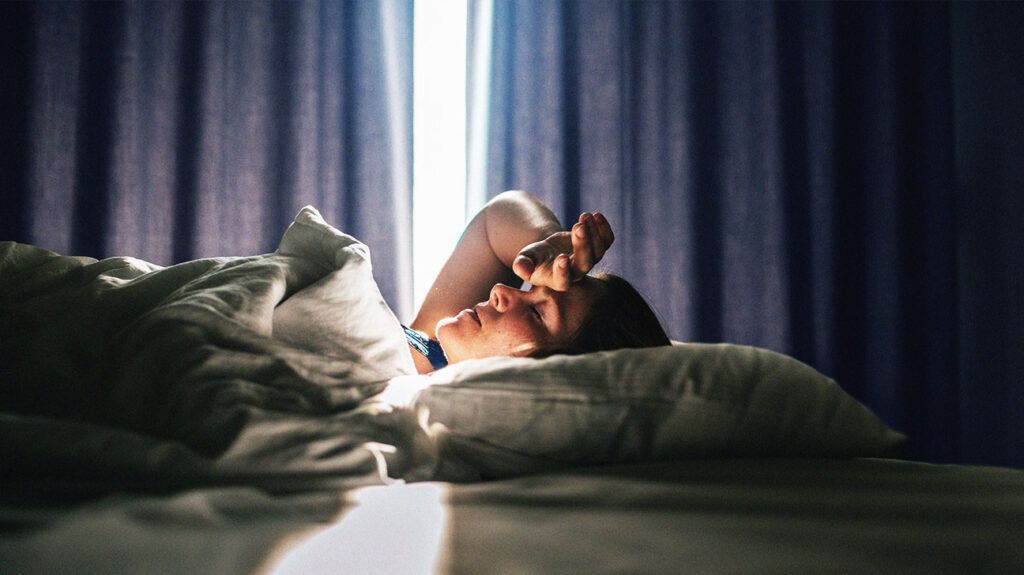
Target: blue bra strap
(429, 348)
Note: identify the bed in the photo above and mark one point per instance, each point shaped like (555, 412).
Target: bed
(262, 415)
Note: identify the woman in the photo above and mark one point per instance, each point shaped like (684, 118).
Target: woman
(516, 238)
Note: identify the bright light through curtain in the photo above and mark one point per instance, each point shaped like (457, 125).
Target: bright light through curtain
(175, 130)
(439, 136)
(778, 175)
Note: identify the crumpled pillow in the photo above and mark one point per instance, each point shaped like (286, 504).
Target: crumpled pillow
(343, 314)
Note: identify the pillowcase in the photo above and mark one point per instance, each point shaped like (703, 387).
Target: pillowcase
(507, 416)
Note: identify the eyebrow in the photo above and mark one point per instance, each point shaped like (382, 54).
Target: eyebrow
(558, 313)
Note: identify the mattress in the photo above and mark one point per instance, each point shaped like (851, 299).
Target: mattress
(716, 516)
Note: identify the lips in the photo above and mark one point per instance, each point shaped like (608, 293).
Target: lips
(472, 314)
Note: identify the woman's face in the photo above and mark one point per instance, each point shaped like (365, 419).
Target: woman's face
(514, 322)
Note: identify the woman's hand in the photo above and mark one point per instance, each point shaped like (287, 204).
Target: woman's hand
(565, 257)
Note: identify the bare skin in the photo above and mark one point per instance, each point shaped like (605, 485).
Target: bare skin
(474, 307)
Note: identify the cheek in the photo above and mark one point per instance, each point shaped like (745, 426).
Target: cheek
(515, 338)
(504, 337)
(459, 339)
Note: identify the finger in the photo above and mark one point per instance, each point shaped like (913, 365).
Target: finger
(539, 254)
(560, 279)
(582, 250)
(597, 247)
(541, 263)
(604, 229)
(523, 267)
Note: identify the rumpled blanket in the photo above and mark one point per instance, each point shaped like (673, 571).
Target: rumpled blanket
(120, 374)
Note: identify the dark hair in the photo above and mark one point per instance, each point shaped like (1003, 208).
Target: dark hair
(620, 318)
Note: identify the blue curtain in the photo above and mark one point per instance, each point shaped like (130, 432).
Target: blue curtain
(176, 130)
(778, 174)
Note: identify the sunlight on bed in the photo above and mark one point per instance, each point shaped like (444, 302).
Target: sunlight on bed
(394, 530)
(402, 390)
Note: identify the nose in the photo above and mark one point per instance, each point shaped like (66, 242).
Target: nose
(503, 296)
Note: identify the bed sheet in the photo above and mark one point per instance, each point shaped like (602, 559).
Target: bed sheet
(725, 516)
(745, 516)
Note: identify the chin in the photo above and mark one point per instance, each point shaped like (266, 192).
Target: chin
(444, 328)
(445, 323)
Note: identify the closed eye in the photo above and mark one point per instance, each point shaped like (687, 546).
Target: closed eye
(540, 317)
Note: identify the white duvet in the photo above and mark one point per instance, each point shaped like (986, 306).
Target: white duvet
(253, 370)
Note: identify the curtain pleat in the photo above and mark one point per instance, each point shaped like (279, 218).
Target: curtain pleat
(778, 174)
(176, 130)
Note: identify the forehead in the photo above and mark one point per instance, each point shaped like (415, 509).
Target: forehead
(575, 303)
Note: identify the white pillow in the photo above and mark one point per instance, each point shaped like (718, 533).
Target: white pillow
(506, 416)
(342, 314)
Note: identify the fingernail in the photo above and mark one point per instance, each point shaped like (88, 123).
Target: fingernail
(526, 263)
